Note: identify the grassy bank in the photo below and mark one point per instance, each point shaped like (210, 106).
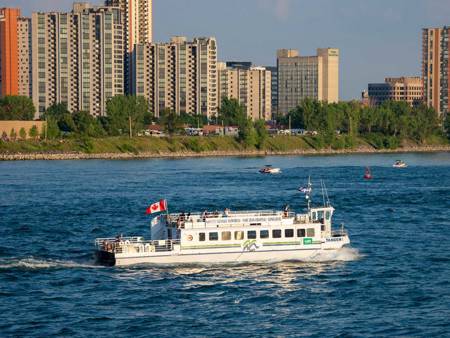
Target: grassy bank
(149, 145)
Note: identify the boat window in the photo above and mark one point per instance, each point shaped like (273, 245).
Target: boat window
(314, 215)
(328, 215)
(301, 233)
(276, 233)
(201, 237)
(238, 235)
(226, 235)
(251, 234)
(264, 234)
(288, 233)
(310, 232)
(213, 236)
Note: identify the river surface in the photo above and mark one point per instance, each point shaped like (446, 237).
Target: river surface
(394, 280)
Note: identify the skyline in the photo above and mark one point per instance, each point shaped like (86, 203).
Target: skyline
(387, 42)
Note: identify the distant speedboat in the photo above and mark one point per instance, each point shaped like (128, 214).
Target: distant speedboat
(368, 174)
(400, 164)
(268, 169)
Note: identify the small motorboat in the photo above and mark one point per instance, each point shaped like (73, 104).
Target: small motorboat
(368, 174)
(268, 169)
(400, 164)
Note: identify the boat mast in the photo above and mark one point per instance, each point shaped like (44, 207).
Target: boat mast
(309, 193)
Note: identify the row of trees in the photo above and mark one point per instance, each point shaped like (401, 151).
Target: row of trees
(395, 119)
(127, 114)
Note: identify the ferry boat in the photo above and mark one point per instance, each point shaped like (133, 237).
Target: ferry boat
(228, 237)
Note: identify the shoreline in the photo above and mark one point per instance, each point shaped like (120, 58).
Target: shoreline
(238, 153)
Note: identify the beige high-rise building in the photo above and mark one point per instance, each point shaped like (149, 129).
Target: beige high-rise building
(250, 86)
(24, 57)
(300, 77)
(137, 16)
(179, 75)
(408, 89)
(77, 58)
(436, 68)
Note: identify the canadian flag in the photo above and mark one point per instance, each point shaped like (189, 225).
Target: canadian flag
(157, 207)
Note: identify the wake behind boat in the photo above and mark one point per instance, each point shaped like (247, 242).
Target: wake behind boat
(227, 237)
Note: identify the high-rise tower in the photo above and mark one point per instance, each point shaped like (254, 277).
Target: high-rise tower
(137, 16)
(436, 68)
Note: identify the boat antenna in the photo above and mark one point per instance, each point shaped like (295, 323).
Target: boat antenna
(326, 195)
(323, 191)
(308, 193)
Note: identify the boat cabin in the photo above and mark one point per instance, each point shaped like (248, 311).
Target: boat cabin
(235, 228)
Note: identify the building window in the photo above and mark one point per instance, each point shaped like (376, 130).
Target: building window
(276, 233)
(213, 236)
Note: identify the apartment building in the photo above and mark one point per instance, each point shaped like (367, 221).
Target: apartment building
(78, 58)
(9, 51)
(436, 68)
(137, 18)
(274, 88)
(300, 77)
(15, 53)
(408, 89)
(180, 75)
(251, 86)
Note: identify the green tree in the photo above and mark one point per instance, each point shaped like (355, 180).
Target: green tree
(123, 109)
(447, 125)
(13, 135)
(231, 112)
(52, 128)
(87, 125)
(171, 122)
(56, 111)
(17, 108)
(247, 133)
(33, 132)
(66, 123)
(22, 133)
(261, 132)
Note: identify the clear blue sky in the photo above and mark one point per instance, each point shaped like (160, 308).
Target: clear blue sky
(377, 38)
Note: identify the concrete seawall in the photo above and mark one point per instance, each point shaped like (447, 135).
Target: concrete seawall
(130, 156)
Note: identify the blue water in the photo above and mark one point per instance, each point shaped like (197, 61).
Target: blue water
(393, 281)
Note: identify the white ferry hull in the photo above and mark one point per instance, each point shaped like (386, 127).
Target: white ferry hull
(263, 254)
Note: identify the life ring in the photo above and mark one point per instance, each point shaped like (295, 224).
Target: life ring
(190, 238)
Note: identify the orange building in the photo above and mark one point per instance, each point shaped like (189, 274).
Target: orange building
(9, 57)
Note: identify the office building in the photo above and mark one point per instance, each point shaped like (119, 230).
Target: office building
(300, 77)
(436, 68)
(179, 75)
(250, 86)
(408, 89)
(77, 58)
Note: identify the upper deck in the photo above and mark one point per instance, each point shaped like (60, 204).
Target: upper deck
(229, 218)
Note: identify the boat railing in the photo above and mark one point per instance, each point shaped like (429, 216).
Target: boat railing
(114, 245)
